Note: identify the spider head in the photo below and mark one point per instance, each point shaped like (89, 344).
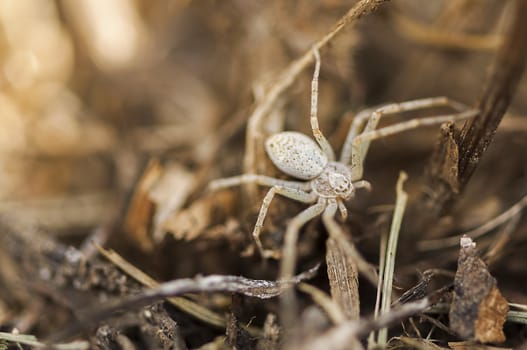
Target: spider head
(341, 185)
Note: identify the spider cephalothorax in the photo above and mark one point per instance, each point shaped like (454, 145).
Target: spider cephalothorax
(334, 182)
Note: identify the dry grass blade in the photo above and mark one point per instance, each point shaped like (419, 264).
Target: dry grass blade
(416, 343)
(429, 35)
(517, 317)
(509, 214)
(518, 306)
(188, 306)
(391, 250)
(382, 264)
(30, 340)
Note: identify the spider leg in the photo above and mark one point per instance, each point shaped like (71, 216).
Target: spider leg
(343, 210)
(335, 232)
(361, 142)
(372, 115)
(321, 139)
(262, 180)
(287, 265)
(298, 195)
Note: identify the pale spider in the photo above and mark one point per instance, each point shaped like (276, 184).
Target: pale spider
(328, 182)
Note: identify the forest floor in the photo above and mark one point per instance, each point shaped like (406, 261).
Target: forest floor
(111, 236)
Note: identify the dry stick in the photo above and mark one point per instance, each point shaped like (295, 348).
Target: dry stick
(288, 77)
(497, 247)
(479, 132)
(382, 264)
(451, 242)
(262, 289)
(508, 68)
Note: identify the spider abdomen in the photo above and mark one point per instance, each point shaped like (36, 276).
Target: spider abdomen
(296, 154)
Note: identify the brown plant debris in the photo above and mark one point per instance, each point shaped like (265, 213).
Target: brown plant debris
(343, 279)
(341, 336)
(138, 219)
(478, 133)
(478, 309)
(261, 289)
(115, 117)
(186, 305)
(446, 158)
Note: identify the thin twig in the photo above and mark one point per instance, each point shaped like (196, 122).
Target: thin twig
(450, 242)
(262, 289)
(382, 264)
(288, 77)
(434, 36)
(32, 341)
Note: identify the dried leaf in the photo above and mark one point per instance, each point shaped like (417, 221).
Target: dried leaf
(343, 279)
(191, 222)
(446, 158)
(169, 194)
(478, 309)
(138, 218)
(160, 193)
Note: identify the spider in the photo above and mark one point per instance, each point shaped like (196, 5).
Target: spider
(327, 182)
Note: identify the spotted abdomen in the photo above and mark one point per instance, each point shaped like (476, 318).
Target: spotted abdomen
(296, 154)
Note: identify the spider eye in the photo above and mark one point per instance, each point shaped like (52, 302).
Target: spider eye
(339, 183)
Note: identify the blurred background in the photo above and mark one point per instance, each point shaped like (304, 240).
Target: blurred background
(92, 89)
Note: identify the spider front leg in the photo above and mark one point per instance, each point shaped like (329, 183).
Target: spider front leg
(360, 144)
(298, 195)
(261, 180)
(287, 265)
(321, 139)
(386, 110)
